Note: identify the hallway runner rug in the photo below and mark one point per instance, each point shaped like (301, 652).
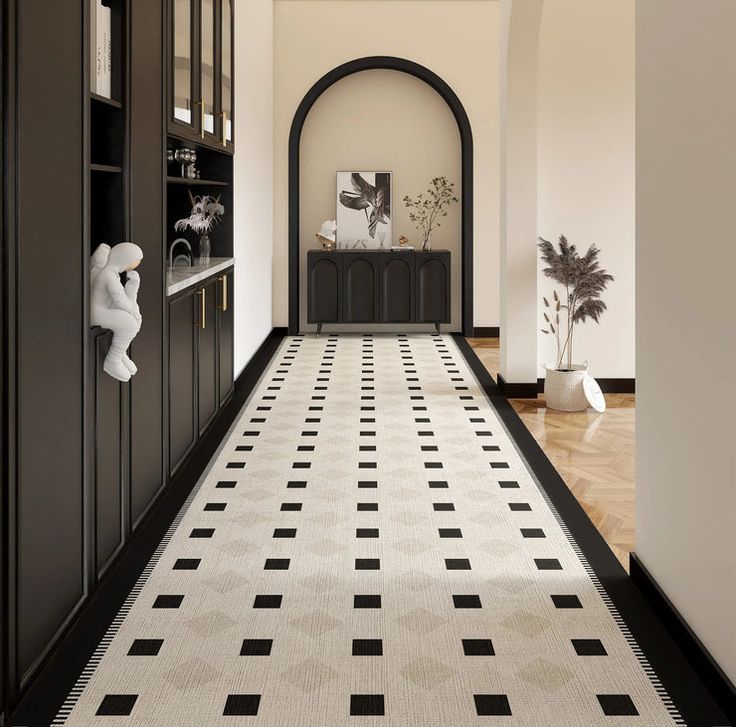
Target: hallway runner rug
(368, 547)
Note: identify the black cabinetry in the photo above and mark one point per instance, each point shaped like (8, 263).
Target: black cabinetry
(200, 361)
(349, 286)
(200, 57)
(47, 574)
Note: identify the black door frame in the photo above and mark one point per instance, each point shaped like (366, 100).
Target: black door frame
(466, 140)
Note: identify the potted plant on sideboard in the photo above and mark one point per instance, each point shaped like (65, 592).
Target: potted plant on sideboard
(426, 208)
(583, 282)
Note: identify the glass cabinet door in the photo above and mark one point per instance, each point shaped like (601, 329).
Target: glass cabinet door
(207, 67)
(227, 72)
(182, 62)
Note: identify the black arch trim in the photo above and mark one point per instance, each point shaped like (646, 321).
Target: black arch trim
(466, 140)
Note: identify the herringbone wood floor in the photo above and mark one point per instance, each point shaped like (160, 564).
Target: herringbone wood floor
(594, 454)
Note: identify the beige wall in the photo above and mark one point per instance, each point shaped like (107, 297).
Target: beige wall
(585, 128)
(457, 39)
(686, 330)
(253, 176)
(381, 120)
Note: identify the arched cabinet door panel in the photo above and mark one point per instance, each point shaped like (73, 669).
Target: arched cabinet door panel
(433, 287)
(397, 288)
(360, 288)
(324, 286)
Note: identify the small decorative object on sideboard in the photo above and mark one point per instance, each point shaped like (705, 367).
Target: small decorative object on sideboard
(429, 206)
(326, 235)
(115, 306)
(403, 245)
(568, 386)
(206, 212)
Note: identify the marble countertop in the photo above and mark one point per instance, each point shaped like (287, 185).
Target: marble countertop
(184, 276)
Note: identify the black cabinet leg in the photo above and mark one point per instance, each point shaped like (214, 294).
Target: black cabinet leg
(319, 328)
(437, 326)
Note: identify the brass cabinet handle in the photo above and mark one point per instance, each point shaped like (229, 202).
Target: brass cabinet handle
(224, 125)
(223, 304)
(202, 322)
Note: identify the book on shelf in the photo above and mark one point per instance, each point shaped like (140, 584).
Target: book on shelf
(103, 50)
(93, 45)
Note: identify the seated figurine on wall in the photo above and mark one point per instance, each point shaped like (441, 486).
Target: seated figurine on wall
(114, 306)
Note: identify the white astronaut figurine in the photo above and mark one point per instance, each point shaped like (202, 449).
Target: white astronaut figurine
(114, 306)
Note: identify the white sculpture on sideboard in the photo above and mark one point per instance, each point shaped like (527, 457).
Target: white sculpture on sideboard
(115, 306)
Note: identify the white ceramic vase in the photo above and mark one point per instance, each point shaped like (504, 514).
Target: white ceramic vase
(563, 390)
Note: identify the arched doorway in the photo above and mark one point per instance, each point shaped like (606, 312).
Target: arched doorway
(466, 141)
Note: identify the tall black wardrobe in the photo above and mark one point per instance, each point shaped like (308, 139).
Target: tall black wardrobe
(83, 456)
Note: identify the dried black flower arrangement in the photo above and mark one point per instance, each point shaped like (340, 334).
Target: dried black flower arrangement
(584, 282)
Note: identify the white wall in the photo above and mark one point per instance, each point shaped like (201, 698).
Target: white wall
(519, 45)
(457, 39)
(253, 175)
(686, 329)
(585, 127)
(354, 125)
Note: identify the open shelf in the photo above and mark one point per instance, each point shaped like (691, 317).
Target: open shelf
(108, 168)
(104, 100)
(196, 182)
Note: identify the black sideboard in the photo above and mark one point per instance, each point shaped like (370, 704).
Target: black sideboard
(378, 286)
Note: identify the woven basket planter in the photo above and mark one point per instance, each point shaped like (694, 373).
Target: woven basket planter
(563, 390)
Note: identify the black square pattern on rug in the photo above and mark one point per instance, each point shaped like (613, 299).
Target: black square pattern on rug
(242, 705)
(589, 647)
(443, 506)
(548, 564)
(366, 601)
(450, 533)
(457, 564)
(367, 564)
(367, 647)
(267, 601)
(277, 564)
(366, 532)
(566, 601)
(168, 601)
(617, 705)
(187, 563)
(215, 506)
(520, 507)
(202, 533)
(291, 506)
(256, 647)
(116, 705)
(478, 647)
(466, 601)
(532, 533)
(367, 506)
(492, 705)
(368, 705)
(145, 647)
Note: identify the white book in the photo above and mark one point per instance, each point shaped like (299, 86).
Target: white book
(104, 45)
(93, 45)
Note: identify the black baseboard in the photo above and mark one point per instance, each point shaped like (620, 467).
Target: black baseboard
(681, 680)
(608, 386)
(43, 698)
(486, 332)
(517, 391)
(720, 686)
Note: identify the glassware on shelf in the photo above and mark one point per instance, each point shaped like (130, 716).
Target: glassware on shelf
(204, 248)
